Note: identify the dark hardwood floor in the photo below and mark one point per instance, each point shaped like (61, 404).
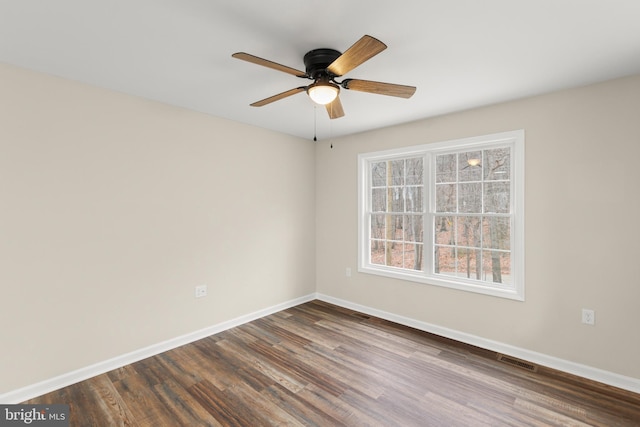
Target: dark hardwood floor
(321, 365)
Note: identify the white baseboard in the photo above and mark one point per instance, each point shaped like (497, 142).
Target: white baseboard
(38, 389)
(595, 374)
(64, 380)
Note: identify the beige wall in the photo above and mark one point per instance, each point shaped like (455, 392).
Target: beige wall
(582, 207)
(113, 208)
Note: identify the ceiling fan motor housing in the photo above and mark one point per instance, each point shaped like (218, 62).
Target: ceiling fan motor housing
(316, 62)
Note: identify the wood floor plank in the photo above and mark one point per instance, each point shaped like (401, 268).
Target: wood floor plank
(548, 415)
(214, 366)
(309, 331)
(223, 407)
(342, 370)
(308, 411)
(263, 366)
(300, 367)
(179, 366)
(137, 390)
(317, 364)
(372, 372)
(110, 402)
(443, 411)
(283, 333)
(185, 409)
(357, 334)
(397, 409)
(262, 407)
(341, 409)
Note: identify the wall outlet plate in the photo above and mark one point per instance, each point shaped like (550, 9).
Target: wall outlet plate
(588, 316)
(201, 291)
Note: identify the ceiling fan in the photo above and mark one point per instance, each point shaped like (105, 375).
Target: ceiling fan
(323, 66)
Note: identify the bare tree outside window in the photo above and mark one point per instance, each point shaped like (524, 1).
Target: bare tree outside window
(397, 213)
(472, 225)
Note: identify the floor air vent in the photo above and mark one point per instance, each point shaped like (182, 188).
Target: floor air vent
(517, 362)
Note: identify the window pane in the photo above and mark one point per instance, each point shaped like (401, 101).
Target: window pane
(445, 261)
(377, 252)
(470, 197)
(394, 230)
(413, 256)
(397, 172)
(468, 265)
(397, 199)
(413, 199)
(377, 226)
(378, 174)
(395, 254)
(379, 200)
(497, 233)
(414, 169)
(413, 228)
(468, 231)
(446, 168)
(470, 166)
(496, 267)
(497, 164)
(444, 230)
(496, 197)
(446, 198)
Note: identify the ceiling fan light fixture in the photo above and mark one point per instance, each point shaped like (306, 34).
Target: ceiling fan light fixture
(323, 92)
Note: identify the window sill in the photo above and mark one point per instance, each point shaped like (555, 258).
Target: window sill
(471, 286)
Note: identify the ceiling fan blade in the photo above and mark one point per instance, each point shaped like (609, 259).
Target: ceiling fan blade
(278, 97)
(379, 88)
(269, 64)
(334, 109)
(362, 50)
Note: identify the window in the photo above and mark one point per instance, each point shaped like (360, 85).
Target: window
(448, 214)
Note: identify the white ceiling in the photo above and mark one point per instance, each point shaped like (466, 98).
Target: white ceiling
(459, 53)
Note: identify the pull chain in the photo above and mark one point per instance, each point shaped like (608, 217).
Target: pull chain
(331, 131)
(315, 125)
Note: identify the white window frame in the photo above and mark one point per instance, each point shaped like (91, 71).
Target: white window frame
(515, 139)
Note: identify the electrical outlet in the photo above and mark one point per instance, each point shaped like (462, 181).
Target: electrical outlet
(348, 272)
(588, 316)
(201, 291)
